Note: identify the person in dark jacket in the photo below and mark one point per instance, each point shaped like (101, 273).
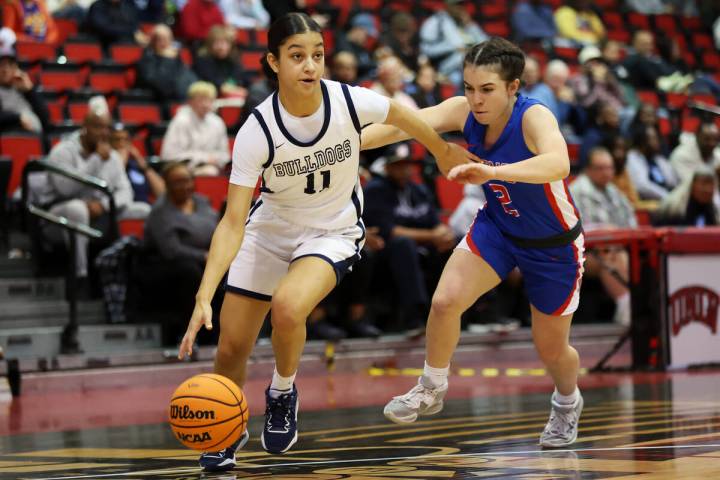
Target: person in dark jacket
(217, 63)
(160, 68)
(416, 242)
(114, 21)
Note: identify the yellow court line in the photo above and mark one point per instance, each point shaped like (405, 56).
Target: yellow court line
(104, 453)
(686, 438)
(65, 467)
(493, 420)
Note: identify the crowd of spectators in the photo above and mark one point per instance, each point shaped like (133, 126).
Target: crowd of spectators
(631, 153)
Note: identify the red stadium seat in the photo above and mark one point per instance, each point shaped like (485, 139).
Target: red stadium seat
(250, 61)
(242, 36)
(20, 148)
(639, 20)
(213, 187)
(649, 96)
(613, 20)
(702, 40)
(186, 56)
(691, 24)
(261, 38)
(77, 111)
(665, 23)
(61, 80)
(83, 52)
(449, 194)
(67, 28)
(676, 100)
(498, 29)
(139, 113)
(132, 226)
(230, 115)
(711, 60)
(35, 51)
(574, 153)
(108, 82)
(126, 54)
(622, 36)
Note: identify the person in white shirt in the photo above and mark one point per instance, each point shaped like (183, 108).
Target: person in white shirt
(196, 134)
(698, 150)
(305, 231)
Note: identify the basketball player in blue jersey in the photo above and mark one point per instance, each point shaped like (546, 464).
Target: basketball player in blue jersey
(290, 250)
(529, 222)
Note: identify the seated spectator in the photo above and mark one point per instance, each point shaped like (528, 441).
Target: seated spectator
(87, 151)
(245, 14)
(413, 234)
(569, 115)
(21, 106)
(30, 20)
(217, 63)
(114, 21)
(444, 37)
(425, 91)
(596, 82)
(160, 68)
(146, 183)
(618, 148)
(646, 115)
(647, 70)
(602, 205)
(177, 239)
(344, 67)
(578, 23)
(197, 18)
(198, 135)
(697, 150)
(693, 203)
(534, 87)
(390, 82)
(361, 30)
(649, 170)
(402, 39)
(533, 21)
(151, 11)
(605, 123)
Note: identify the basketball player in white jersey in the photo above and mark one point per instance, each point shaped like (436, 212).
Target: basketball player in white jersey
(289, 251)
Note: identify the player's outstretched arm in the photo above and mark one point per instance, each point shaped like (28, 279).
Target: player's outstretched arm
(543, 137)
(448, 116)
(446, 154)
(225, 244)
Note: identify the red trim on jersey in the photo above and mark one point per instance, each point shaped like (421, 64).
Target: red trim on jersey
(553, 204)
(570, 199)
(469, 240)
(565, 304)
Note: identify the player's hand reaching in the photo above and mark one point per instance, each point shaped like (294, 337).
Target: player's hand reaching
(454, 155)
(202, 315)
(478, 173)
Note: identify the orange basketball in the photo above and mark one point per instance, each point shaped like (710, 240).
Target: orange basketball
(208, 412)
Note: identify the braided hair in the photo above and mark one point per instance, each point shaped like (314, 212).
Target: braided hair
(505, 57)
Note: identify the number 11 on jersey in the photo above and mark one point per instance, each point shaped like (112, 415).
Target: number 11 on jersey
(310, 187)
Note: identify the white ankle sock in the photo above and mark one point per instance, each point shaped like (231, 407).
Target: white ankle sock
(280, 384)
(436, 376)
(566, 399)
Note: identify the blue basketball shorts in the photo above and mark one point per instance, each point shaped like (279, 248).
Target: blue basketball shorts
(552, 276)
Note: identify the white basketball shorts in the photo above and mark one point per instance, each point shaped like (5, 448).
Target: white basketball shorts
(271, 244)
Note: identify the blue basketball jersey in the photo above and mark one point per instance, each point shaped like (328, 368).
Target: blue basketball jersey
(523, 210)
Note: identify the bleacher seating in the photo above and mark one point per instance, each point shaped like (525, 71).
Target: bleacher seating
(20, 147)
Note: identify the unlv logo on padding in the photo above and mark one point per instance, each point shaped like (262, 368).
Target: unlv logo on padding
(693, 304)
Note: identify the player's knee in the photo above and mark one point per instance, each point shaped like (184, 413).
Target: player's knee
(550, 352)
(285, 314)
(444, 305)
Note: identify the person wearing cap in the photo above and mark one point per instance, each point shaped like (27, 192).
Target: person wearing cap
(407, 219)
(362, 30)
(445, 36)
(21, 106)
(596, 82)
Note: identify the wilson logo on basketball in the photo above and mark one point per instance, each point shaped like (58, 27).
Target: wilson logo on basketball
(193, 437)
(184, 412)
(694, 304)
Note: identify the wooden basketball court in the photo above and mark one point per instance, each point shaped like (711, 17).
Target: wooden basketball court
(647, 426)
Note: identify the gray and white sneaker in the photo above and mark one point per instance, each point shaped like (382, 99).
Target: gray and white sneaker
(420, 400)
(562, 427)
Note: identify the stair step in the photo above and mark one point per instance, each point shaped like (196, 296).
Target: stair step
(45, 341)
(31, 289)
(46, 313)
(16, 267)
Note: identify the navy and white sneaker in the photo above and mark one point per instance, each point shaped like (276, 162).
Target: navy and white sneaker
(280, 430)
(223, 460)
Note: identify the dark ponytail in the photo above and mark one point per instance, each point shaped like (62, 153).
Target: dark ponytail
(500, 53)
(282, 28)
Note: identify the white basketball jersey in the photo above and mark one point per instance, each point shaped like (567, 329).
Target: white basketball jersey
(314, 183)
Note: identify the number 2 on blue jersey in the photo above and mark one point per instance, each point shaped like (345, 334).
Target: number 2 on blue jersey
(503, 196)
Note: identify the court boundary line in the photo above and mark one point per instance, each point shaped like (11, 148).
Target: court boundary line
(386, 459)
